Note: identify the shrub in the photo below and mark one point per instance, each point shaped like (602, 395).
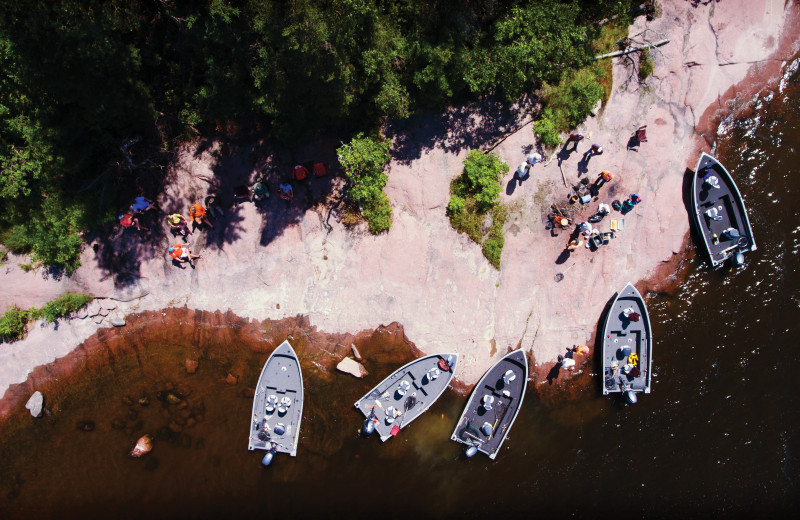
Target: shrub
(481, 175)
(363, 160)
(12, 324)
(493, 246)
(545, 129)
(379, 214)
(60, 307)
(645, 64)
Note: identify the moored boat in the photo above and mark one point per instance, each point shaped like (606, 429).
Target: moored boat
(277, 405)
(719, 213)
(627, 346)
(493, 405)
(406, 394)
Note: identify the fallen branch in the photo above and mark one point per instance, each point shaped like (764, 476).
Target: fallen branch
(631, 50)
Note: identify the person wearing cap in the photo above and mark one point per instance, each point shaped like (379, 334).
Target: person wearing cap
(178, 222)
(181, 253)
(128, 220)
(197, 213)
(574, 138)
(534, 158)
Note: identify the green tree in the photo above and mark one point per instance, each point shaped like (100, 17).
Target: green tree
(363, 160)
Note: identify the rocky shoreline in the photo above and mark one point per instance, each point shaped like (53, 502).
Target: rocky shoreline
(280, 263)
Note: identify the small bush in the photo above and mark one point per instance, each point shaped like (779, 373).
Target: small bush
(480, 178)
(545, 129)
(12, 324)
(379, 214)
(645, 64)
(493, 246)
(61, 307)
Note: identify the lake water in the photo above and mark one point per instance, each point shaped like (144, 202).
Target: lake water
(718, 435)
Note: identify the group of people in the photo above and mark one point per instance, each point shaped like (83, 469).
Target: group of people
(202, 214)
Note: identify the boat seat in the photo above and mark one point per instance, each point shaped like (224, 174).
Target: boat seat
(713, 214)
(509, 376)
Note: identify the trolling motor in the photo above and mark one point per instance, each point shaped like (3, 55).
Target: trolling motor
(267, 460)
(369, 425)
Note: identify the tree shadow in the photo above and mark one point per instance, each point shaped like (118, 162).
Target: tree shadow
(469, 126)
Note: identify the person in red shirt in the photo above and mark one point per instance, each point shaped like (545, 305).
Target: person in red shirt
(181, 253)
(300, 172)
(128, 220)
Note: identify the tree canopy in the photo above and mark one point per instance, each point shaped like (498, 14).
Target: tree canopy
(79, 78)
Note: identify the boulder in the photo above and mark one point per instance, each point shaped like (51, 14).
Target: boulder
(352, 367)
(108, 305)
(191, 366)
(143, 446)
(117, 320)
(103, 312)
(98, 318)
(93, 308)
(356, 353)
(35, 404)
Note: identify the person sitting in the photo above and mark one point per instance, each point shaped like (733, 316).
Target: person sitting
(198, 215)
(286, 191)
(299, 172)
(141, 204)
(181, 253)
(260, 191)
(213, 206)
(129, 220)
(635, 198)
(320, 169)
(179, 223)
(534, 158)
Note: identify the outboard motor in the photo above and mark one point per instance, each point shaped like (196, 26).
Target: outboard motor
(369, 427)
(267, 460)
(471, 451)
(630, 397)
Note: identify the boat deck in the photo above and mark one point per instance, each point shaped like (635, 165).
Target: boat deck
(719, 207)
(494, 404)
(623, 337)
(407, 393)
(278, 403)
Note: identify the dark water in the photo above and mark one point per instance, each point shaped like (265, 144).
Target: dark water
(719, 435)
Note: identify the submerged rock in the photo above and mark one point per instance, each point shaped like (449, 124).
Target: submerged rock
(143, 446)
(191, 366)
(356, 353)
(144, 400)
(231, 379)
(85, 426)
(35, 404)
(352, 367)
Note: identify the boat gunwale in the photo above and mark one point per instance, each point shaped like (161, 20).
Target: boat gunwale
(472, 395)
(452, 373)
(648, 340)
(293, 355)
(739, 202)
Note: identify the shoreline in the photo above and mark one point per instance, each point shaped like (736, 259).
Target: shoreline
(343, 280)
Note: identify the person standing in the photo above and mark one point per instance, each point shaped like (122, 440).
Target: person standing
(197, 213)
(574, 138)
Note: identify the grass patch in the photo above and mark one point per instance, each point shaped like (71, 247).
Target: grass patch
(474, 208)
(13, 322)
(645, 64)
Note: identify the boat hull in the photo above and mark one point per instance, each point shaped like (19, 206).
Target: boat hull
(624, 335)
(717, 208)
(407, 393)
(506, 396)
(278, 403)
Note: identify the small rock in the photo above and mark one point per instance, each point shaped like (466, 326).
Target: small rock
(93, 309)
(85, 426)
(352, 367)
(35, 404)
(118, 423)
(248, 392)
(144, 400)
(231, 379)
(173, 398)
(98, 319)
(117, 320)
(108, 305)
(191, 421)
(183, 405)
(81, 314)
(103, 312)
(175, 427)
(127, 400)
(143, 446)
(191, 366)
(356, 353)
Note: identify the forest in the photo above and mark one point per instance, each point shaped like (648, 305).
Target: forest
(82, 80)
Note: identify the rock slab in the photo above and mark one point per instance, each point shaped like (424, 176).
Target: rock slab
(35, 404)
(352, 367)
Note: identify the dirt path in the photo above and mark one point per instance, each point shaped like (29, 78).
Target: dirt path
(285, 261)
